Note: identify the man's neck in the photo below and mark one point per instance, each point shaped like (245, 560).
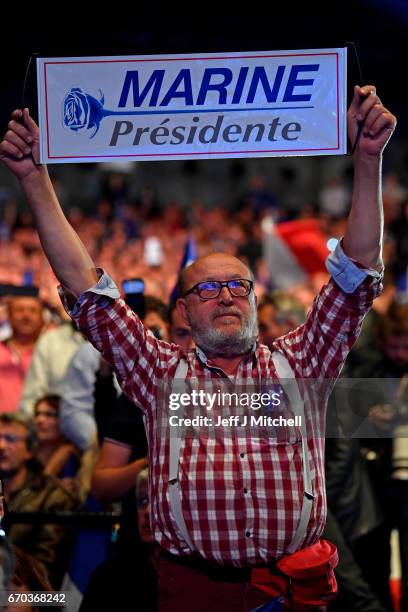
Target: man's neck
(15, 482)
(229, 365)
(21, 342)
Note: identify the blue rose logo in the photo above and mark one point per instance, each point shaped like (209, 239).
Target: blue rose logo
(83, 111)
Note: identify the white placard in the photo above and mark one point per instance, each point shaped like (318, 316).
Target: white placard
(201, 106)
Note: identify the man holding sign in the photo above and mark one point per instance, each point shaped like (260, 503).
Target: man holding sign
(235, 506)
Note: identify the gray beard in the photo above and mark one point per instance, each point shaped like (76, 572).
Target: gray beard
(216, 342)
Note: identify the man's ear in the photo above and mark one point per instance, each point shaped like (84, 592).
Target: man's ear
(182, 309)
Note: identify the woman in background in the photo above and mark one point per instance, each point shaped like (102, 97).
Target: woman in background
(58, 457)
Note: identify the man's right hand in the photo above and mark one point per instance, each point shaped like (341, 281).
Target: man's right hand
(68, 257)
(20, 148)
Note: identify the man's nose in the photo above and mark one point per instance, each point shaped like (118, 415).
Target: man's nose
(225, 296)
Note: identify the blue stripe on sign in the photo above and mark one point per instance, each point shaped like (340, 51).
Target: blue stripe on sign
(207, 110)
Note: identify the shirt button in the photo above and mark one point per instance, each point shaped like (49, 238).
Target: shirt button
(248, 534)
(242, 455)
(245, 490)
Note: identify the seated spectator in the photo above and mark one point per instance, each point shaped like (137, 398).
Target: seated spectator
(58, 457)
(27, 489)
(26, 321)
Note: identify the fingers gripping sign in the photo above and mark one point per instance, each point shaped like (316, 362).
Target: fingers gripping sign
(19, 149)
(370, 124)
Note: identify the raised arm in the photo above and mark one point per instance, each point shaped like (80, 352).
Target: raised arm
(363, 237)
(68, 257)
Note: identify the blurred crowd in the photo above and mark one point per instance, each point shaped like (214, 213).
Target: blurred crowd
(70, 442)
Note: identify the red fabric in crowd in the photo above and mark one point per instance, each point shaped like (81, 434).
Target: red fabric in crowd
(307, 243)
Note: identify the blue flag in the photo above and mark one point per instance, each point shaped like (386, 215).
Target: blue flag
(190, 255)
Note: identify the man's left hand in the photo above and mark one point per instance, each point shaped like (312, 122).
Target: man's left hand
(378, 123)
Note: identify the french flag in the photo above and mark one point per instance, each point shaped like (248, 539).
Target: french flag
(295, 251)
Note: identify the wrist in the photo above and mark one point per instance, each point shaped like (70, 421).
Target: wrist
(367, 160)
(38, 174)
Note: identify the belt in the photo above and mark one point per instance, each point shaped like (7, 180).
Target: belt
(219, 573)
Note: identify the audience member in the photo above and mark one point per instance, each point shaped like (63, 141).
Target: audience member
(52, 355)
(58, 457)
(278, 313)
(26, 321)
(27, 489)
(180, 332)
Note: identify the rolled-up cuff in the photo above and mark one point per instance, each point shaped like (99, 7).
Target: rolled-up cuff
(105, 286)
(346, 273)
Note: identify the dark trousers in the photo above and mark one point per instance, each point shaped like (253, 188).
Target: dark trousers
(183, 589)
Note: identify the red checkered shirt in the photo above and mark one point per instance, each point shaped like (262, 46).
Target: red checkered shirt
(241, 497)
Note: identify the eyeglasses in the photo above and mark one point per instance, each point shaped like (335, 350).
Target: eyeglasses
(209, 290)
(12, 438)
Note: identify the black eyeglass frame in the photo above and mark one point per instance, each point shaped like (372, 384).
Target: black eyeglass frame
(221, 284)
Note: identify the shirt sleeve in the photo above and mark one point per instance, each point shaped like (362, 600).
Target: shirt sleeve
(319, 347)
(125, 426)
(76, 410)
(36, 382)
(346, 273)
(137, 357)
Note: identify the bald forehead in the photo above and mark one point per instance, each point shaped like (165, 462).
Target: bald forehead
(216, 266)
